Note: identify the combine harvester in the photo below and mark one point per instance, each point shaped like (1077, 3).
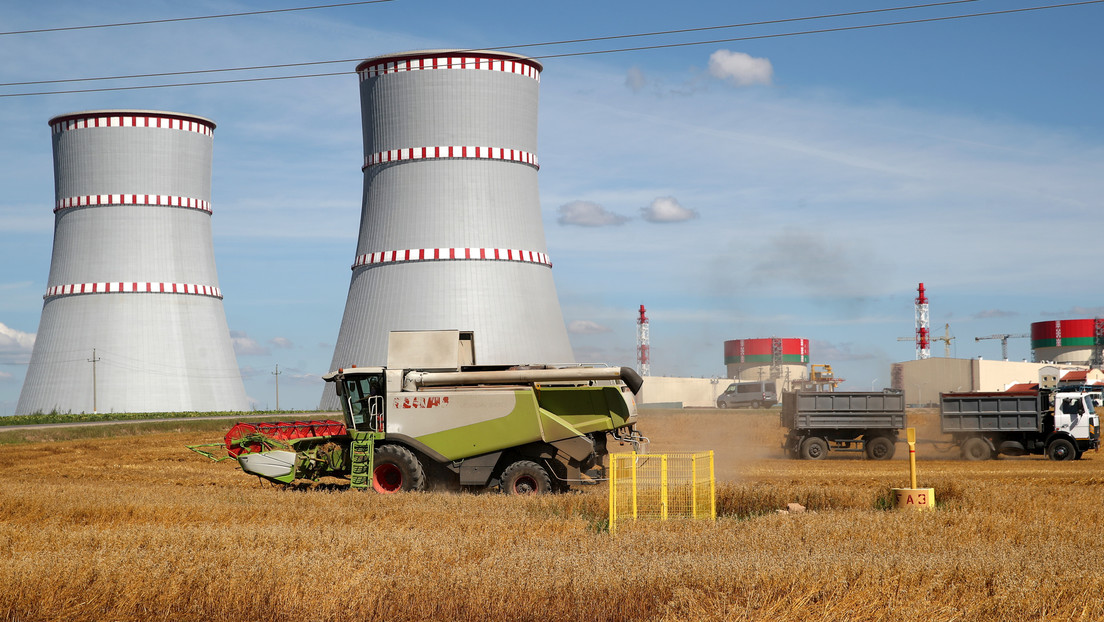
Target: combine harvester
(434, 418)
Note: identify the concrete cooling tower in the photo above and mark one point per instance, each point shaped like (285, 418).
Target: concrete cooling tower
(133, 318)
(450, 230)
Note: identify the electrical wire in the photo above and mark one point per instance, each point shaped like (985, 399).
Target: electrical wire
(828, 30)
(190, 19)
(508, 47)
(565, 54)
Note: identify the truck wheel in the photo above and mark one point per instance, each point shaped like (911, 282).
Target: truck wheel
(814, 448)
(880, 448)
(396, 469)
(976, 448)
(755, 405)
(525, 477)
(1061, 449)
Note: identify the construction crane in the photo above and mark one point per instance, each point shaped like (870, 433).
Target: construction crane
(1004, 342)
(947, 338)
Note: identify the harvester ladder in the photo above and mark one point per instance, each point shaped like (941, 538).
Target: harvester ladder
(362, 450)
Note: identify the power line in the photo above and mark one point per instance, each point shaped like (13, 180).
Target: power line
(741, 25)
(190, 19)
(162, 86)
(509, 47)
(547, 56)
(828, 30)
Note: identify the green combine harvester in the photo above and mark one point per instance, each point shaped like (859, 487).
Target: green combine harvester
(434, 419)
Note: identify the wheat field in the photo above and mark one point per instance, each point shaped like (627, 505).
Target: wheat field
(138, 528)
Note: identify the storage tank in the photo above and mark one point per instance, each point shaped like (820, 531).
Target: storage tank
(132, 318)
(451, 236)
(1065, 341)
(781, 358)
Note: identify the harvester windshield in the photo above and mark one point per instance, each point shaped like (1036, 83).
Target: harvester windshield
(361, 394)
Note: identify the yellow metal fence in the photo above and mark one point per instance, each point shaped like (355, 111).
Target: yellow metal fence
(661, 486)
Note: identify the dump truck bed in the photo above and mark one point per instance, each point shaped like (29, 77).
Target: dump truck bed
(805, 410)
(990, 412)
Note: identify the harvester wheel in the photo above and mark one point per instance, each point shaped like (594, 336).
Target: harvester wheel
(525, 477)
(1061, 450)
(880, 448)
(814, 448)
(396, 469)
(976, 448)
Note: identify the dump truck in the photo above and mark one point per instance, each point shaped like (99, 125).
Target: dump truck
(1063, 425)
(865, 422)
(434, 418)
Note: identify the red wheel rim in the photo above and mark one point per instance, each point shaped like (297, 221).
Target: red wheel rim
(525, 485)
(387, 478)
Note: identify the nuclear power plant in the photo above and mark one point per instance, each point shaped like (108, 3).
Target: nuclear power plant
(133, 319)
(450, 228)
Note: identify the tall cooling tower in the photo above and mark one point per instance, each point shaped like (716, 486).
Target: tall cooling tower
(133, 318)
(450, 229)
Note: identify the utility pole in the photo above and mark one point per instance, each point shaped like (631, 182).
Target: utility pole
(277, 374)
(93, 360)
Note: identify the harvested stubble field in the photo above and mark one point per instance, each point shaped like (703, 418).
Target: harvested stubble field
(138, 528)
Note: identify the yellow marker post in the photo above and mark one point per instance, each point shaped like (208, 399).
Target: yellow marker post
(910, 434)
(914, 498)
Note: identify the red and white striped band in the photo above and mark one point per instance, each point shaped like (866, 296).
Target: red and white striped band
(131, 120)
(425, 153)
(132, 288)
(447, 254)
(451, 62)
(132, 199)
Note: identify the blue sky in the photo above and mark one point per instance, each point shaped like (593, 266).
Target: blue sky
(795, 186)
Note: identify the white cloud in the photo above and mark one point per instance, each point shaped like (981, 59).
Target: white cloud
(667, 209)
(244, 345)
(740, 69)
(5, 375)
(587, 327)
(281, 342)
(15, 345)
(588, 214)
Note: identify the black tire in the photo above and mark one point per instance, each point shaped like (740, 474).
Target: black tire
(976, 448)
(721, 404)
(396, 469)
(814, 448)
(755, 405)
(880, 448)
(1061, 449)
(525, 477)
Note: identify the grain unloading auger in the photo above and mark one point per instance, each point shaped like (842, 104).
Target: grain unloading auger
(432, 418)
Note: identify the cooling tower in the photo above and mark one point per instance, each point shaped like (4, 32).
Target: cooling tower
(450, 228)
(133, 318)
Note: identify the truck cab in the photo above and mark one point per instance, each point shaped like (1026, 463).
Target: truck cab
(1075, 415)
